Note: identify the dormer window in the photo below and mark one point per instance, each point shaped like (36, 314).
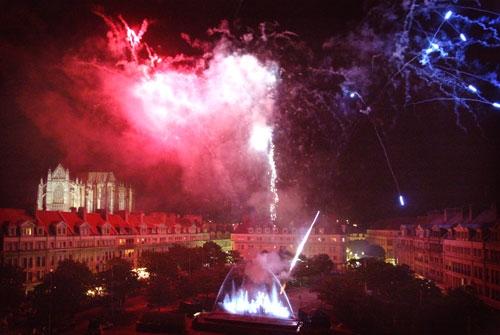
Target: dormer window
(12, 231)
(250, 230)
(27, 231)
(83, 231)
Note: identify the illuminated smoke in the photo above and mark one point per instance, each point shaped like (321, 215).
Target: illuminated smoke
(166, 103)
(122, 101)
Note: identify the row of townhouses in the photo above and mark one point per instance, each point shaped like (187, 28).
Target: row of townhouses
(91, 220)
(37, 243)
(325, 238)
(449, 248)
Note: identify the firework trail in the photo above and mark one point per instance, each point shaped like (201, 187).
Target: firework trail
(402, 55)
(431, 57)
(299, 250)
(445, 58)
(261, 140)
(302, 243)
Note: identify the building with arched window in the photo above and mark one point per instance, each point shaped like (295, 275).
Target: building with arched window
(96, 191)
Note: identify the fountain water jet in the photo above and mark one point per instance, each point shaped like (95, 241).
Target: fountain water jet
(249, 303)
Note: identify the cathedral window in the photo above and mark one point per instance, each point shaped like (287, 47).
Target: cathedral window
(59, 194)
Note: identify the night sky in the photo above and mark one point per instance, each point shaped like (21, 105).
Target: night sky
(437, 163)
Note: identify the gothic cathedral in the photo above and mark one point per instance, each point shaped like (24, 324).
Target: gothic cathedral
(98, 191)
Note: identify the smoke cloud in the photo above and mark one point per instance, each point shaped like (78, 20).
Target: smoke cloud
(258, 269)
(180, 125)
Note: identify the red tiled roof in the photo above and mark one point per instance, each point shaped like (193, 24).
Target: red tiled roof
(47, 218)
(170, 219)
(94, 219)
(71, 219)
(158, 216)
(193, 219)
(154, 219)
(134, 219)
(117, 221)
(13, 215)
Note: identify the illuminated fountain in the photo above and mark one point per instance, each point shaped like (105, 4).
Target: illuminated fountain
(240, 295)
(249, 303)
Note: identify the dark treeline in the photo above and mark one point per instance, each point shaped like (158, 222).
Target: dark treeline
(51, 307)
(374, 297)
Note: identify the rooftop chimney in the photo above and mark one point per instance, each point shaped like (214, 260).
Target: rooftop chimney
(82, 211)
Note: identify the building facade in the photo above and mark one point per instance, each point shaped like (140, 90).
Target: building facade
(38, 243)
(96, 191)
(252, 240)
(454, 251)
(386, 238)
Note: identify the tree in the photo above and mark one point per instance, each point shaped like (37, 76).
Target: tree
(11, 290)
(164, 272)
(312, 269)
(379, 298)
(207, 281)
(213, 255)
(464, 313)
(119, 281)
(61, 294)
(185, 259)
(185, 272)
(160, 264)
(234, 257)
(162, 290)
